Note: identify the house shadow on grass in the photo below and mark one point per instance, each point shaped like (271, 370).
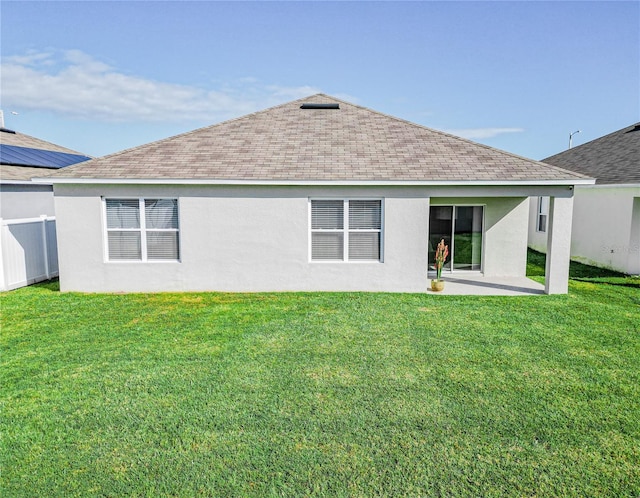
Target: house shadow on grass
(580, 272)
(52, 285)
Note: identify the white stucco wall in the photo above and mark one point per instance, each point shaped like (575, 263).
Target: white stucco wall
(25, 201)
(504, 251)
(236, 238)
(605, 229)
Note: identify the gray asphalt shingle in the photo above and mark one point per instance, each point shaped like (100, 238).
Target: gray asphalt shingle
(15, 173)
(287, 143)
(612, 159)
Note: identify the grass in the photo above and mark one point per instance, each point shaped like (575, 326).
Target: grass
(303, 394)
(536, 264)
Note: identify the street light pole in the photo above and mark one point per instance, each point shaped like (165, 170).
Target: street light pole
(571, 137)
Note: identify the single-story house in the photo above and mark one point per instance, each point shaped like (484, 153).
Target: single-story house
(27, 223)
(606, 215)
(317, 194)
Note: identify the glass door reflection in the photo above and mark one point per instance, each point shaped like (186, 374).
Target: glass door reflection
(461, 229)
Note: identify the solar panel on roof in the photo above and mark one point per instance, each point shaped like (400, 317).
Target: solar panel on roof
(25, 156)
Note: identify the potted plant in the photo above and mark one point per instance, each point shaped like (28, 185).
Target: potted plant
(442, 251)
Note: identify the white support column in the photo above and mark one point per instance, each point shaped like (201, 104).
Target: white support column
(558, 245)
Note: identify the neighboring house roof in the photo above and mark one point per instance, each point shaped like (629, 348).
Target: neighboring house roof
(23, 157)
(612, 159)
(338, 141)
(23, 173)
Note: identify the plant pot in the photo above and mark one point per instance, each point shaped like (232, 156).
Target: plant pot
(437, 285)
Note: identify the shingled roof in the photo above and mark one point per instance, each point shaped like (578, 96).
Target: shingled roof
(612, 159)
(332, 141)
(23, 173)
(24, 170)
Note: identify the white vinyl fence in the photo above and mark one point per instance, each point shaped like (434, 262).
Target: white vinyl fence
(28, 251)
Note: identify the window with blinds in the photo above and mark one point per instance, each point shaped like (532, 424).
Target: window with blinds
(346, 230)
(543, 214)
(142, 229)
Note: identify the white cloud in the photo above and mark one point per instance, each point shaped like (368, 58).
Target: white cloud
(482, 133)
(73, 83)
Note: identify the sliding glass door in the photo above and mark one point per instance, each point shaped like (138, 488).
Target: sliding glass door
(461, 229)
(467, 238)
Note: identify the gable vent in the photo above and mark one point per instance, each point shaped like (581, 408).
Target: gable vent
(310, 105)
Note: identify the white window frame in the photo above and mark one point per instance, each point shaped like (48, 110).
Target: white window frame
(541, 211)
(142, 230)
(345, 230)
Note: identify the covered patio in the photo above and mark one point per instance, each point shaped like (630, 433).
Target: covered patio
(495, 264)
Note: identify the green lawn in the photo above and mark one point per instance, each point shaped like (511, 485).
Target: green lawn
(323, 394)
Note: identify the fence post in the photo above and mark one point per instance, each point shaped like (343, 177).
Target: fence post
(3, 283)
(45, 248)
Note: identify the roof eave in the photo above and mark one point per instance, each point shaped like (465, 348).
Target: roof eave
(615, 185)
(190, 181)
(26, 182)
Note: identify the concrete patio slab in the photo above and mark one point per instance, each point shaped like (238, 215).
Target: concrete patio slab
(479, 285)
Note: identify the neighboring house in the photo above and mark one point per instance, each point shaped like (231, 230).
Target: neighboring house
(312, 195)
(27, 225)
(606, 219)
(23, 157)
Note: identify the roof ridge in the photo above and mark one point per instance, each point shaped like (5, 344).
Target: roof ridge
(281, 142)
(466, 140)
(202, 128)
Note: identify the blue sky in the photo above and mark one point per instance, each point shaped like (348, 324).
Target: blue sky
(100, 77)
